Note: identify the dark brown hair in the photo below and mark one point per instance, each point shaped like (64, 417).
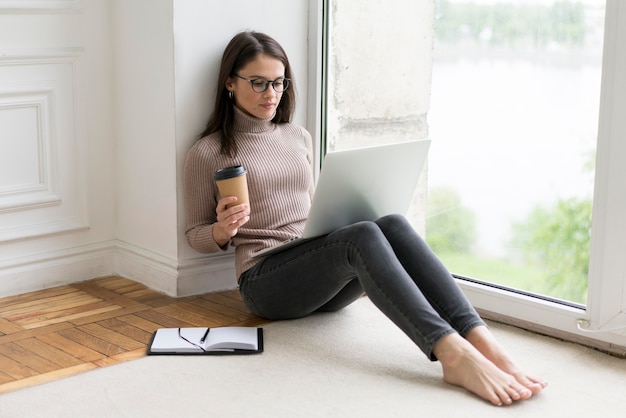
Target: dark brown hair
(242, 49)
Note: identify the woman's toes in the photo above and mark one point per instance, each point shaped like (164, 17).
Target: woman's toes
(525, 393)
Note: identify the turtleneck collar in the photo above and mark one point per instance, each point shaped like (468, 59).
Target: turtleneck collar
(246, 123)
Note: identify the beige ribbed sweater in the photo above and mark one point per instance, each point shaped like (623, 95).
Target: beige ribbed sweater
(278, 158)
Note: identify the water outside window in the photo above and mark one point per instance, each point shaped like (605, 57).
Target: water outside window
(513, 117)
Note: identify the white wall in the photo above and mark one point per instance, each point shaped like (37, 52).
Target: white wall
(144, 111)
(201, 31)
(129, 88)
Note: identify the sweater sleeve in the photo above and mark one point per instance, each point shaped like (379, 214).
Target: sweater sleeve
(200, 199)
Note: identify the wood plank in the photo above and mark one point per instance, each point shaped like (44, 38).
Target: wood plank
(51, 311)
(218, 310)
(146, 291)
(27, 358)
(8, 327)
(69, 315)
(45, 377)
(184, 314)
(233, 294)
(47, 351)
(106, 294)
(112, 337)
(106, 315)
(34, 296)
(252, 322)
(140, 323)
(219, 313)
(15, 369)
(27, 333)
(227, 300)
(132, 355)
(45, 305)
(131, 287)
(126, 329)
(71, 347)
(120, 358)
(164, 321)
(91, 342)
(112, 282)
(231, 298)
(5, 378)
(155, 300)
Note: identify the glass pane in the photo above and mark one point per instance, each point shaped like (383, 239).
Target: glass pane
(513, 119)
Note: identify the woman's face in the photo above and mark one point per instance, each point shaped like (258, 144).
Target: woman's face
(261, 105)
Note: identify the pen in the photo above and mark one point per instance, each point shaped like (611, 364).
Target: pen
(205, 335)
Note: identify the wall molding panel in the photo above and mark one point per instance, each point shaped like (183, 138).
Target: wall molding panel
(26, 167)
(39, 6)
(40, 155)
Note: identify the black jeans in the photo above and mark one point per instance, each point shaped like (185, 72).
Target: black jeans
(386, 259)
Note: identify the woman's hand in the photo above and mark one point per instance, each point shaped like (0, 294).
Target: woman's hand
(229, 220)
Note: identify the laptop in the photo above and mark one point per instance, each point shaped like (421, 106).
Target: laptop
(361, 185)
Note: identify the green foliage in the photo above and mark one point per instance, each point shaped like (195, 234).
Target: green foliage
(554, 245)
(449, 227)
(557, 240)
(505, 23)
(501, 271)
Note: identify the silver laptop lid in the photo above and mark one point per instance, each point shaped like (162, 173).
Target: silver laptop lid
(365, 184)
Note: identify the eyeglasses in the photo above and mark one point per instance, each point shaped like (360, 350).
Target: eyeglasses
(260, 84)
(180, 335)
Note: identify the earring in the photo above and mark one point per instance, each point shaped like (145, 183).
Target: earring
(231, 95)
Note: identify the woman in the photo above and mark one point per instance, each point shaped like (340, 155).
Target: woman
(386, 259)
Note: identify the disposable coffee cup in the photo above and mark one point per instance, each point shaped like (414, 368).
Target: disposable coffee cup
(231, 181)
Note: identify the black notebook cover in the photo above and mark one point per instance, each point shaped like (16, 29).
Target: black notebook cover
(208, 352)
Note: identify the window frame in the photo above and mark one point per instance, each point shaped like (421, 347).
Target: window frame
(602, 323)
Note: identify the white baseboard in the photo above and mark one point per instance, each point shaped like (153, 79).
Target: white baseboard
(57, 268)
(205, 275)
(172, 277)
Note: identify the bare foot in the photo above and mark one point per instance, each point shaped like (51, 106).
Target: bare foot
(463, 365)
(484, 341)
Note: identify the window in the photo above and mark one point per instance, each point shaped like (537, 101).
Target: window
(511, 95)
(514, 110)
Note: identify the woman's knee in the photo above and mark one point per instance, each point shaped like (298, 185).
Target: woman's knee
(363, 237)
(363, 230)
(393, 221)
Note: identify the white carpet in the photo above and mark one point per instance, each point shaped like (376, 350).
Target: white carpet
(353, 363)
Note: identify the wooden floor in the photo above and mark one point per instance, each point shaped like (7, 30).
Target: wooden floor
(59, 332)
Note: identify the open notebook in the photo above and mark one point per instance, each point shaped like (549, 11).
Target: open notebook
(201, 340)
